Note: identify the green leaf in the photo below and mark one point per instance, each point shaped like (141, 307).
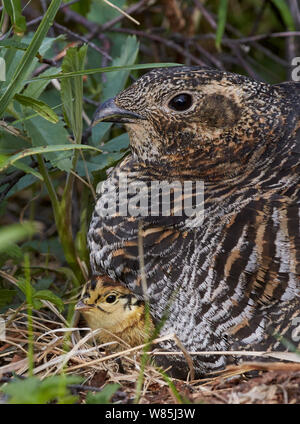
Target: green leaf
(98, 132)
(22, 184)
(36, 88)
(101, 12)
(37, 295)
(116, 80)
(6, 162)
(222, 16)
(38, 106)
(14, 233)
(22, 285)
(45, 247)
(24, 65)
(106, 69)
(10, 143)
(99, 162)
(116, 144)
(82, 7)
(33, 391)
(21, 165)
(43, 283)
(285, 12)
(45, 133)
(14, 10)
(12, 43)
(51, 297)
(104, 396)
(13, 252)
(36, 304)
(72, 90)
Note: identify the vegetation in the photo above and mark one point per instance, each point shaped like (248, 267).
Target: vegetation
(58, 61)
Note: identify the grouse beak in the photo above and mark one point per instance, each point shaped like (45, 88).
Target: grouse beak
(81, 306)
(110, 112)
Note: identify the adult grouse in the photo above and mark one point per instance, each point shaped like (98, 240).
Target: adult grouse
(226, 276)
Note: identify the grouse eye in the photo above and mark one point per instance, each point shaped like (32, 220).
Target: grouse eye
(111, 298)
(181, 102)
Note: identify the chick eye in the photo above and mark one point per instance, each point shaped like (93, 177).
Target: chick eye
(181, 102)
(111, 298)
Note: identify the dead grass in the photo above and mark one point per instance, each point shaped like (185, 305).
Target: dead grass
(75, 351)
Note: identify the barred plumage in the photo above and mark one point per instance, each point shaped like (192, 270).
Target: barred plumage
(234, 278)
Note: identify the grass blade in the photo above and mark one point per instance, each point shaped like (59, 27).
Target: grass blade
(222, 16)
(72, 90)
(6, 162)
(106, 69)
(285, 14)
(41, 108)
(14, 10)
(21, 71)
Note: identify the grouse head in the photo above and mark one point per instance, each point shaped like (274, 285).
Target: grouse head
(207, 122)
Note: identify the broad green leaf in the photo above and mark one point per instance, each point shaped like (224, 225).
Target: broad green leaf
(99, 131)
(22, 184)
(10, 143)
(12, 57)
(34, 391)
(22, 69)
(106, 69)
(13, 43)
(101, 12)
(51, 297)
(45, 133)
(4, 164)
(14, 10)
(29, 292)
(45, 246)
(72, 90)
(116, 144)
(40, 107)
(22, 286)
(43, 283)
(99, 162)
(82, 7)
(285, 12)
(14, 252)
(14, 233)
(116, 80)
(36, 88)
(104, 396)
(21, 165)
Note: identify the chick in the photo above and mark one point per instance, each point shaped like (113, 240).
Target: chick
(107, 305)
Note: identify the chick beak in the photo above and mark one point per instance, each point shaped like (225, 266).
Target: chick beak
(81, 306)
(110, 112)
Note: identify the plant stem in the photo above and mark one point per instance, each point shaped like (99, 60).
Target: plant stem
(30, 353)
(62, 216)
